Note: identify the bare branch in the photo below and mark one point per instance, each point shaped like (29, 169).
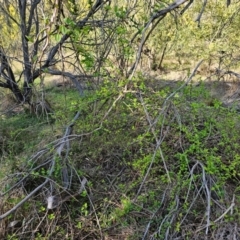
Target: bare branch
(186, 7)
(201, 13)
(31, 16)
(158, 15)
(62, 143)
(72, 77)
(8, 15)
(24, 200)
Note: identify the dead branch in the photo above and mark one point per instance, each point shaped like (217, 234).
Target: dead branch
(63, 144)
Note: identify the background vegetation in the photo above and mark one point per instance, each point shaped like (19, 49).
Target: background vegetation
(119, 119)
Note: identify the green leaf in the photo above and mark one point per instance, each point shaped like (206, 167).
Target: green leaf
(58, 37)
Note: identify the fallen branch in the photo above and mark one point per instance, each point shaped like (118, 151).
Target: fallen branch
(62, 144)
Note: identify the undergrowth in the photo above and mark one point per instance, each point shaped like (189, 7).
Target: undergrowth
(156, 168)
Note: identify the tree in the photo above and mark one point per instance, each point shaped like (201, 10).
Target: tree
(46, 28)
(37, 28)
(103, 39)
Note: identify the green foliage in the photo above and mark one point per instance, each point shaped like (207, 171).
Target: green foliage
(150, 159)
(116, 137)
